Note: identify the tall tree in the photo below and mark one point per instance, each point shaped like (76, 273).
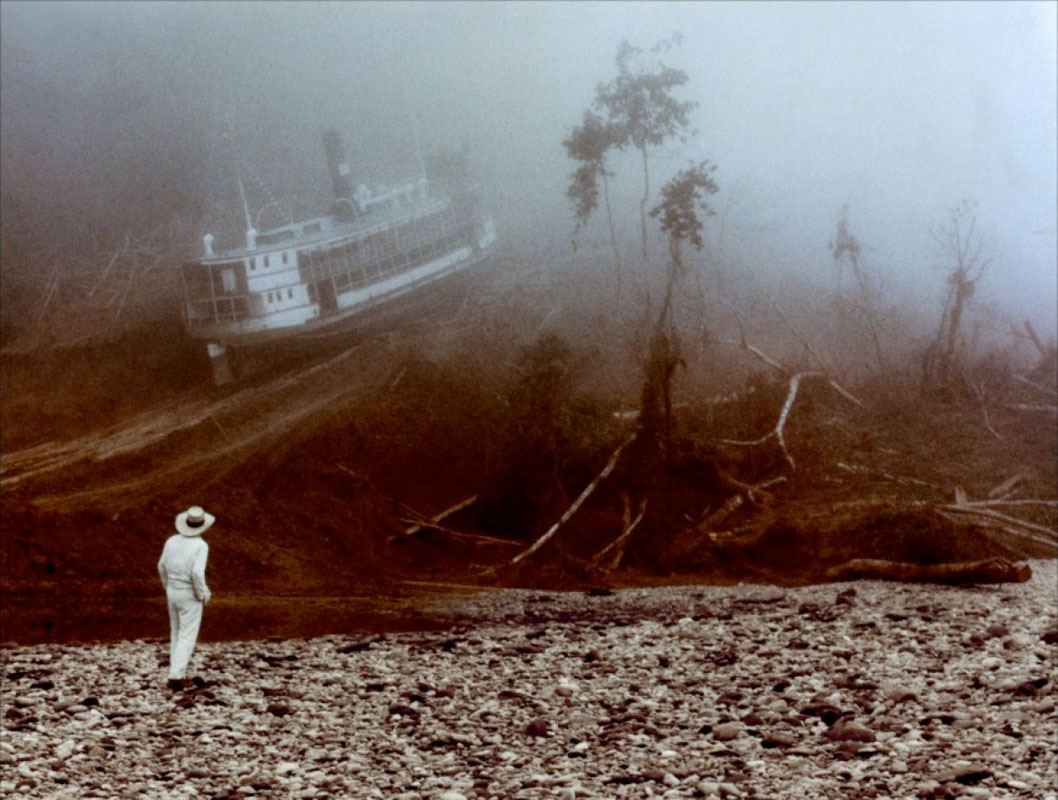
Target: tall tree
(636, 110)
(683, 206)
(588, 145)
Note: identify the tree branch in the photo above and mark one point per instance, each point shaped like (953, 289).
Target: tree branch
(777, 431)
(569, 512)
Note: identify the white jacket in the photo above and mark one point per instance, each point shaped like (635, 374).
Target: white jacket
(183, 565)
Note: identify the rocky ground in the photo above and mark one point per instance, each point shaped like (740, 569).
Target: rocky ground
(864, 690)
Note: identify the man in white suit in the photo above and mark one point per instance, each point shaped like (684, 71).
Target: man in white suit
(182, 569)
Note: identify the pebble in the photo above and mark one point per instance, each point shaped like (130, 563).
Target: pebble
(774, 696)
(845, 730)
(726, 731)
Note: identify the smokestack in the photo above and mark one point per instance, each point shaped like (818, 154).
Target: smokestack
(332, 146)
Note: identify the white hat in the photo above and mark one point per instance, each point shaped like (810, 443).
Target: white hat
(194, 522)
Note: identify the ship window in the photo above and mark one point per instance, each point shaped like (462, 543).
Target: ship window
(284, 256)
(290, 293)
(266, 258)
(227, 279)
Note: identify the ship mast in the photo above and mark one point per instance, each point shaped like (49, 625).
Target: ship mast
(251, 234)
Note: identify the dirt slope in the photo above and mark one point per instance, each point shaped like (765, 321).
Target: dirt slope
(515, 394)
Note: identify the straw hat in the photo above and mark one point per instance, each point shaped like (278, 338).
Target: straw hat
(194, 522)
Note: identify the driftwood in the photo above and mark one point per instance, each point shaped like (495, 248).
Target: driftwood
(618, 544)
(470, 537)
(569, 512)
(993, 570)
(984, 410)
(777, 431)
(432, 521)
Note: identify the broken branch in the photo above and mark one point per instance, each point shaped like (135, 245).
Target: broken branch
(777, 431)
(989, 514)
(1034, 385)
(569, 512)
(984, 409)
(629, 526)
(432, 522)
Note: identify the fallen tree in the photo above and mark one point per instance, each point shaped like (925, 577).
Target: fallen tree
(992, 570)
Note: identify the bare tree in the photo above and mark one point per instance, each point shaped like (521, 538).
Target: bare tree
(962, 242)
(847, 247)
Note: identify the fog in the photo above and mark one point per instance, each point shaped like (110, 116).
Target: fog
(117, 115)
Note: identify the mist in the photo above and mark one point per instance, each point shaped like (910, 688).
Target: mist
(127, 115)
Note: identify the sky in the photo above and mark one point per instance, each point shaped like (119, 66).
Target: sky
(117, 112)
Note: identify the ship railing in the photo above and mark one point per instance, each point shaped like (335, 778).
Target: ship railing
(221, 309)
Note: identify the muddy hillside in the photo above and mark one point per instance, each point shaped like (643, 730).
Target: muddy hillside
(534, 428)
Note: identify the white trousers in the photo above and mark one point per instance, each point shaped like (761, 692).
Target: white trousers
(185, 616)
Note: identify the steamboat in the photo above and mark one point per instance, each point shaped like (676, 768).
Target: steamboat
(319, 276)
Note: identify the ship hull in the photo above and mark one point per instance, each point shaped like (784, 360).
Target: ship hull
(316, 279)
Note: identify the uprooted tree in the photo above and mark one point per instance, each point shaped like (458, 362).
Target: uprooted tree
(642, 113)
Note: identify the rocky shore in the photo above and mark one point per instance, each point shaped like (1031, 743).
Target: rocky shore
(853, 690)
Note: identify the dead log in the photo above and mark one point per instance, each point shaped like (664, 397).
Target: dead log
(432, 522)
(993, 570)
(777, 431)
(569, 512)
(618, 544)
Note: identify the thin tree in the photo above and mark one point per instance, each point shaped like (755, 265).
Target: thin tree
(680, 213)
(588, 145)
(637, 110)
(847, 247)
(962, 241)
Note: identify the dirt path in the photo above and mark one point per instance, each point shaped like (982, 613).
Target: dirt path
(198, 431)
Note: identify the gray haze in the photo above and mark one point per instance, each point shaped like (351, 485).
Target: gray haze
(114, 115)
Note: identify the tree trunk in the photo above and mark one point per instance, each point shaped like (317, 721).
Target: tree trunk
(643, 203)
(994, 570)
(613, 235)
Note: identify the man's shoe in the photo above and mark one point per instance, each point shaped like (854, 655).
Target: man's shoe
(176, 685)
(200, 683)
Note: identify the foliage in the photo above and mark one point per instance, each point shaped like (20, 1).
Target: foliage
(635, 110)
(640, 109)
(588, 145)
(682, 198)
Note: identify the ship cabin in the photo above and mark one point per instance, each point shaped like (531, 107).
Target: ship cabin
(311, 273)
